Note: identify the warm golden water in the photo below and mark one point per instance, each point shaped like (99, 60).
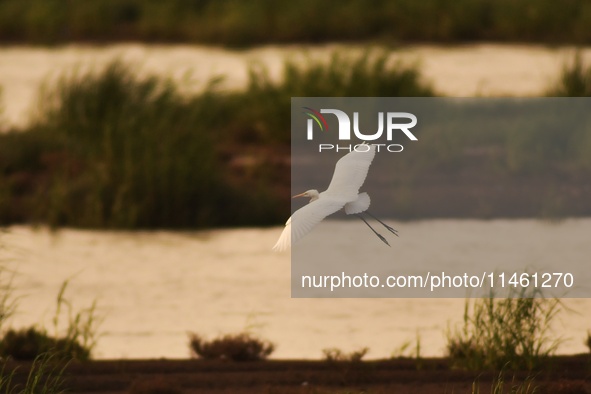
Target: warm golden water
(482, 69)
(153, 287)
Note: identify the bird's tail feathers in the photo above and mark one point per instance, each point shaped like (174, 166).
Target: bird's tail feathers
(359, 205)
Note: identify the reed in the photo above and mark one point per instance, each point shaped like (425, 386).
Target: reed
(574, 80)
(45, 376)
(134, 152)
(75, 339)
(116, 150)
(236, 23)
(501, 386)
(112, 149)
(510, 333)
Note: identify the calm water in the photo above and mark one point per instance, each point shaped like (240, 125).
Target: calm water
(468, 70)
(154, 287)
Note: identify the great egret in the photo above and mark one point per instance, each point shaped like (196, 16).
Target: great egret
(349, 174)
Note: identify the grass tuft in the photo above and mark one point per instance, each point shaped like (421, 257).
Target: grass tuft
(29, 343)
(510, 333)
(370, 75)
(574, 80)
(499, 386)
(8, 302)
(46, 376)
(337, 355)
(76, 342)
(232, 347)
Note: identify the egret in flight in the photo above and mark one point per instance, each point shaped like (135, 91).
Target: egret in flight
(343, 192)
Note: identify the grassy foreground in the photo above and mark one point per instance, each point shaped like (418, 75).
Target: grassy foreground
(569, 376)
(244, 23)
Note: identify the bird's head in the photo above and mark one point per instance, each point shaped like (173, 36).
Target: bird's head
(311, 194)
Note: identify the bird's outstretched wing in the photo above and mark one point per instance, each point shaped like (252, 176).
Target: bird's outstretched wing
(350, 173)
(304, 219)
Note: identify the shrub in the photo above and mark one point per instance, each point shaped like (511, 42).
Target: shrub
(29, 343)
(234, 347)
(334, 354)
(509, 333)
(76, 342)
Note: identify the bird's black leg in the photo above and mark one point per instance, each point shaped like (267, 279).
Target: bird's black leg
(395, 232)
(374, 231)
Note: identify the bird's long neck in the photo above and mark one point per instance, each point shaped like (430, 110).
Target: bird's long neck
(314, 195)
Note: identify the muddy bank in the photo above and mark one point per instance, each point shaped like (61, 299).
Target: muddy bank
(570, 374)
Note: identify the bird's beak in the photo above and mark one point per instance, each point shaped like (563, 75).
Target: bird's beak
(299, 195)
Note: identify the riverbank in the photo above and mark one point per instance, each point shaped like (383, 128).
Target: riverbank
(568, 374)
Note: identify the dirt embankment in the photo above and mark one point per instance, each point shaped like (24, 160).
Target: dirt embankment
(570, 374)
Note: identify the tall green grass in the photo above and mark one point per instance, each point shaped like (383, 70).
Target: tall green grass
(111, 149)
(117, 150)
(45, 376)
(370, 75)
(574, 80)
(75, 339)
(114, 149)
(81, 333)
(242, 23)
(46, 372)
(263, 109)
(499, 386)
(8, 301)
(510, 333)
(133, 152)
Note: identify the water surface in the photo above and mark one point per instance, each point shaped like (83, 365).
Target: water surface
(154, 287)
(467, 70)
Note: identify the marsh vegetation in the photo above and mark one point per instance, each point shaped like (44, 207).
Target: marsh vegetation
(238, 24)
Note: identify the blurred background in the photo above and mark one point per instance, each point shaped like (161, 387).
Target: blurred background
(145, 156)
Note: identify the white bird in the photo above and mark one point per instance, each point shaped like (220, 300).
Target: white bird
(349, 174)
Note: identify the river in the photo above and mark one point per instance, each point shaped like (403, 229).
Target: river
(467, 70)
(152, 288)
